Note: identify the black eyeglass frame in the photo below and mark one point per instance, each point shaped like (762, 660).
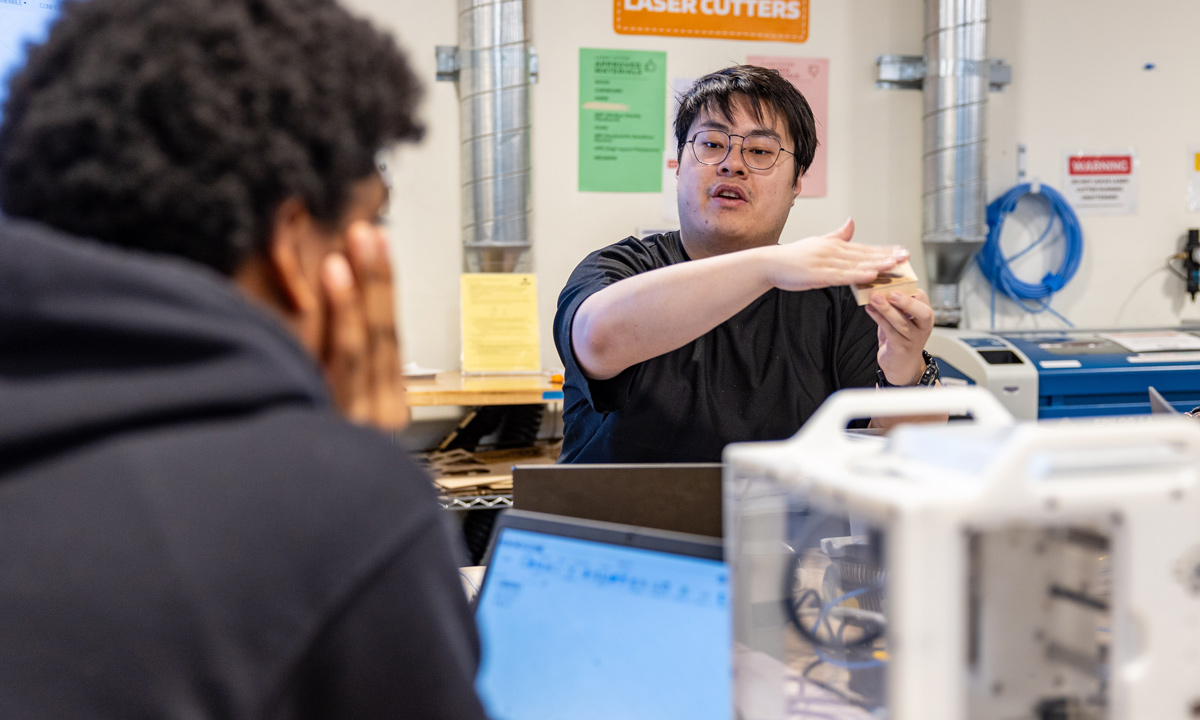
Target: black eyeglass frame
(729, 148)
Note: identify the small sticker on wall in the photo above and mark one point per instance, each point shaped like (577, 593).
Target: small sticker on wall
(1101, 183)
(1193, 186)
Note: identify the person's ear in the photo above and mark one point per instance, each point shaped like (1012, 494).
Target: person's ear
(285, 276)
(289, 265)
(291, 268)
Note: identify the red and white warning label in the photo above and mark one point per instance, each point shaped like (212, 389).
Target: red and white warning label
(1101, 183)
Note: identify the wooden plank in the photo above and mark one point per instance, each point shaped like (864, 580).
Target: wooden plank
(901, 279)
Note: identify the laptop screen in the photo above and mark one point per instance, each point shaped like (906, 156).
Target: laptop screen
(576, 629)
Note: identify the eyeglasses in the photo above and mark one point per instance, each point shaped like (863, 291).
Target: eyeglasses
(760, 152)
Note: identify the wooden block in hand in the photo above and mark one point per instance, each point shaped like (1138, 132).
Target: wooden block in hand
(899, 279)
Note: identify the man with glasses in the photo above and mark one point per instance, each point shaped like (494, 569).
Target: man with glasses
(680, 343)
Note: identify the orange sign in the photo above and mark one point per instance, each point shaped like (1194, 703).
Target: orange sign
(781, 20)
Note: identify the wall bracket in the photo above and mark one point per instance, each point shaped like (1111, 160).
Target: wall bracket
(448, 63)
(907, 72)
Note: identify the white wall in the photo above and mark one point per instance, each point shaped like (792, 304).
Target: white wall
(1079, 83)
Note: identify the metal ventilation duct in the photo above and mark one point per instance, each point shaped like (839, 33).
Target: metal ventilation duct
(955, 196)
(494, 79)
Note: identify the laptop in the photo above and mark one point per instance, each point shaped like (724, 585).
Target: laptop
(581, 620)
(679, 497)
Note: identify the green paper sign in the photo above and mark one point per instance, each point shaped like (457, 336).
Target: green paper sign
(622, 120)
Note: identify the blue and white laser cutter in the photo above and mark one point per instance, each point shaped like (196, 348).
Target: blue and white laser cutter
(1041, 374)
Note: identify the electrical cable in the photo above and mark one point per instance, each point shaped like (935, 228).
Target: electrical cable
(1032, 297)
(1180, 273)
(793, 607)
(846, 664)
(858, 654)
(804, 596)
(793, 613)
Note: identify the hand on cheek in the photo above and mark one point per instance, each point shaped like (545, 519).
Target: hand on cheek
(362, 352)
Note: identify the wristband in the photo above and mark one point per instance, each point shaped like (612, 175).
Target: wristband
(929, 378)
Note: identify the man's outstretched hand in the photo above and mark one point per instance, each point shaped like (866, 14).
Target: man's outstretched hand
(829, 260)
(362, 352)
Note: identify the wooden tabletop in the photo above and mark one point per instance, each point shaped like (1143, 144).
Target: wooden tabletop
(454, 388)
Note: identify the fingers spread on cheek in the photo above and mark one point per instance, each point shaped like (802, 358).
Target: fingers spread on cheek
(374, 274)
(346, 338)
(383, 388)
(337, 275)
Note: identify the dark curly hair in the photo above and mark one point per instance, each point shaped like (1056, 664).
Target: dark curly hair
(179, 126)
(716, 93)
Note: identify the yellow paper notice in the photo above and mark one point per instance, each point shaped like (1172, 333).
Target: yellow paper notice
(500, 323)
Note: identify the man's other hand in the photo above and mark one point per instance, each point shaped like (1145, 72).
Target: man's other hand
(362, 359)
(905, 324)
(829, 260)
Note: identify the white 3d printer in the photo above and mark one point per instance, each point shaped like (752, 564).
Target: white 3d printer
(987, 570)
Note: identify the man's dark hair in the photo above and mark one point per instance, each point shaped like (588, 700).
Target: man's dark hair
(179, 126)
(719, 94)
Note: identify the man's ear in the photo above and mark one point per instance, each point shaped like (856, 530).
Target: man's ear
(796, 188)
(287, 261)
(285, 276)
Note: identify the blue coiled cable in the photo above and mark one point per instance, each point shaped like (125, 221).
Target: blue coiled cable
(997, 268)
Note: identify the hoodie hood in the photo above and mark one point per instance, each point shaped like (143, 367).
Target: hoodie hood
(97, 340)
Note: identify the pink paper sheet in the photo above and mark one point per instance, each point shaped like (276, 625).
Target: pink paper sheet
(811, 77)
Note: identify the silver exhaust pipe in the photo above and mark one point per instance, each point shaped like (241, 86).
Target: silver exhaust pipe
(494, 79)
(955, 196)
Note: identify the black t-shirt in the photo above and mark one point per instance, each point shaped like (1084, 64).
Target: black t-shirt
(757, 376)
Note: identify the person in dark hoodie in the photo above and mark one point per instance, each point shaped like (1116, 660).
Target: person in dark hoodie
(194, 293)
